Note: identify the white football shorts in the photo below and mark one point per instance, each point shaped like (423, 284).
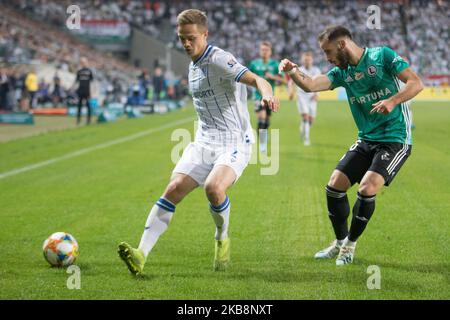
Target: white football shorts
(198, 160)
(306, 104)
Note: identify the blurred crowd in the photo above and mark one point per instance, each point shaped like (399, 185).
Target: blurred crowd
(21, 89)
(26, 44)
(416, 29)
(150, 15)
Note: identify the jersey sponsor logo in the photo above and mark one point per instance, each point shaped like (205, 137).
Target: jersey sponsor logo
(371, 97)
(372, 70)
(359, 75)
(203, 94)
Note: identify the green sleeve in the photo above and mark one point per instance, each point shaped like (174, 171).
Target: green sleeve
(393, 63)
(251, 66)
(277, 64)
(335, 77)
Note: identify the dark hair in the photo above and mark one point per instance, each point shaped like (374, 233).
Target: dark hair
(334, 32)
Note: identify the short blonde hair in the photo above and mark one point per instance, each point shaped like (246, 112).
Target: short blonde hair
(192, 16)
(267, 44)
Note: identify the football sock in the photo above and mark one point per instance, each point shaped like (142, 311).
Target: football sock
(362, 212)
(261, 125)
(306, 126)
(157, 222)
(349, 243)
(221, 217)
(263, 139)
(338, 211)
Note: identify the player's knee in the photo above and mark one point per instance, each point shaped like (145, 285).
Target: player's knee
(174, 191)
(339, 181)
(214, 192)
(367, 189)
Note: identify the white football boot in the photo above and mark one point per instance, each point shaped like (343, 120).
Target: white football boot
(329, 253)
(345, 255)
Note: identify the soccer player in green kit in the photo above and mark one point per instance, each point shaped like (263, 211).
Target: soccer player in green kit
(371, 78)
(266, 68)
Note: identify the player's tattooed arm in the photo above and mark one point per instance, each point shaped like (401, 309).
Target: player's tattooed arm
(413, 86)
(264, 87)
(308, 84)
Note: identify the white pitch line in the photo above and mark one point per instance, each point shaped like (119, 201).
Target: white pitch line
(93, 148)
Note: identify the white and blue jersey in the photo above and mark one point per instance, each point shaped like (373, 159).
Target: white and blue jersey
(219, 99)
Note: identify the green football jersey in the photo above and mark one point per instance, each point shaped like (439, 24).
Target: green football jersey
(260, 68)
(374, 78)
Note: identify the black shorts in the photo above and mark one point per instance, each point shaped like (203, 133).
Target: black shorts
(385, 158)
(259, 107)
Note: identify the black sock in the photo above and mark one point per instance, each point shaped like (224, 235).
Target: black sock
(261, 125)
(338, 211)
(362, 211)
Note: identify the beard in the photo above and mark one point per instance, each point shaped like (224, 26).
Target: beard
(342, 59)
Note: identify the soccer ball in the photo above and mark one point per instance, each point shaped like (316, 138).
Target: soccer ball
(60, 249)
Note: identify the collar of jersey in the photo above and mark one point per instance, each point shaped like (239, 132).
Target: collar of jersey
(361, 60)
(204, 55)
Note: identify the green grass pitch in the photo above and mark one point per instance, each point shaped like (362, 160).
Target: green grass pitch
(278, 222)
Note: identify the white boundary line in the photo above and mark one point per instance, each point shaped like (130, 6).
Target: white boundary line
(93, 148)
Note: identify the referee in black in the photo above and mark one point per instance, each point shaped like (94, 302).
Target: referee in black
(84, 79)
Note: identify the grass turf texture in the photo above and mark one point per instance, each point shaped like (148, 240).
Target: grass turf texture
(277, 222)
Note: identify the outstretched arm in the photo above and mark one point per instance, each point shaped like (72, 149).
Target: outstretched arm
(264, 87)
(413, 86)
(308, 84)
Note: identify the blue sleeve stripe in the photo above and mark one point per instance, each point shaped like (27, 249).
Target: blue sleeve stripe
(239, 75)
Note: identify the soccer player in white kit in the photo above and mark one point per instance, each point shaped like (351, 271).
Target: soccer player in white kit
(222, 146)
(307, 101)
